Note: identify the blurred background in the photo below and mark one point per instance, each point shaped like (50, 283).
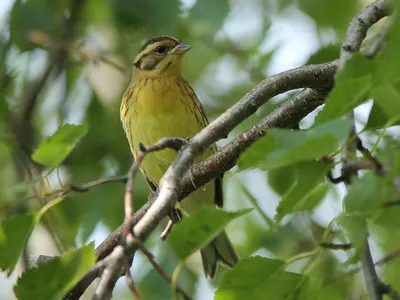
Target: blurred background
(235, 43)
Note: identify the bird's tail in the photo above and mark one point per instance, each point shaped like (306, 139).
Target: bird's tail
(220, 250)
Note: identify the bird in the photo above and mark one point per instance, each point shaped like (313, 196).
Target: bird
(158, 103)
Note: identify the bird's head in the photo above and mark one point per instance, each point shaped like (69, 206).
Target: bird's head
(161, 56)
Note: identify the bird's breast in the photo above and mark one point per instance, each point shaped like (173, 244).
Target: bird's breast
(159, 108)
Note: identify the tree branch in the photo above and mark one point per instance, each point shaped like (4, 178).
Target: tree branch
(288, 115)
(355, 35)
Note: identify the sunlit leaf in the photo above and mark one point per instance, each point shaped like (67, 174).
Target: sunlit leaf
(54, 149)
(55, 278)
(198, 230)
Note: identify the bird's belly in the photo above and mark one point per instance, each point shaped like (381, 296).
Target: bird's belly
(169, 116)
(167, 112)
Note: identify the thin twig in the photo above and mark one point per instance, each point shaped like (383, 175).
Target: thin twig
(388, 258)
(334, 246)
(129, 238)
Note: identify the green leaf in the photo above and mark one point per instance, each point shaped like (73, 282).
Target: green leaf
(283, 147)
(54, 279)
(326, 53)
(54, 149)
(281, 179)
(335, 13)
(207, 16)
(153, 15)
(352, 85)
(387, 68)
(309, 176)
(366, 195)
(356, 231)
(198, 230)
(386, 106)
(41, 16)
(14, 234)
(256, 277)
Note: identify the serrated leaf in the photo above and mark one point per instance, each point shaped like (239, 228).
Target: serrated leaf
(14, 234)
(356, 231)
(304, 194)
(207, 16)
(54, 149)
(283, 147)
(352, 87)
(366, 195)
(257, 278)
(54, 279)
(198, 230)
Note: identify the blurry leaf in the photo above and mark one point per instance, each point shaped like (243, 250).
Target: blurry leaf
(55, 278)
(254, 202)
(198, 59)
(256, 277)
(356, 231)
(306, 193)
(30, 19)
(207, 16)
(386, 106)
(187, 277)
(282, 147)
(329, 293)
(54, 149)
(73, 73)
(335, 13)
(366, 195)
(198, 230)
(387, 68)
(352, 86)
(281, 179)
(324, 54)
(153, 15)
(14, 234)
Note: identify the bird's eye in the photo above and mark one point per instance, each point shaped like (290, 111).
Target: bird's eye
(160, 49)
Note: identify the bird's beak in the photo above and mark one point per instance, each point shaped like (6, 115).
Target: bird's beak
(181, 48)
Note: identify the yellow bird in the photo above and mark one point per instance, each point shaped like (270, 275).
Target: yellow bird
(160, 103)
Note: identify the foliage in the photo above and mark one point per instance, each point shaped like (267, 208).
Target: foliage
(70, 133)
